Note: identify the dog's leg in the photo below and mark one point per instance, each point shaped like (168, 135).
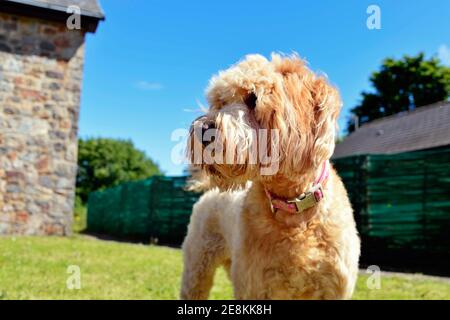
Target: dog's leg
(203, 251)
(201, 256)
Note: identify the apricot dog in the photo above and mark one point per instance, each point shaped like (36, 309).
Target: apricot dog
(283, 233)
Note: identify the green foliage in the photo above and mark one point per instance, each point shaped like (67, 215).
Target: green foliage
(401, 85)
(104, 163)
(36, 268)
(79, 216)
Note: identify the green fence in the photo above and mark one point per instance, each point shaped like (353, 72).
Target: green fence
(401, 204)
(156, 208)
(402, 207)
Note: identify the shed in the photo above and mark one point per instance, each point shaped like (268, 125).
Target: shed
(41, 67)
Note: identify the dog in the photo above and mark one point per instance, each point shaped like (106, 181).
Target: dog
(286, 234)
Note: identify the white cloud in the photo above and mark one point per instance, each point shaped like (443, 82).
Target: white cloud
(444, 54)
(149, 86)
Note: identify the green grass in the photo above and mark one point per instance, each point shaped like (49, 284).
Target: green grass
(36, 268)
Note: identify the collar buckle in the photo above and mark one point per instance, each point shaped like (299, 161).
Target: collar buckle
(307, 200)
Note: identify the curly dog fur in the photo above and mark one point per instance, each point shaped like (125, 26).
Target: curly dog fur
(312, 255)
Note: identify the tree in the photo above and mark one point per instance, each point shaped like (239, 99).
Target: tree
(104, 163)
(402, 85)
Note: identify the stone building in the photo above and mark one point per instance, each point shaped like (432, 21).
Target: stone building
(41, 66)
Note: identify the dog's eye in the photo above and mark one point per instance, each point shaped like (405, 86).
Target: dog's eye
(250, 101)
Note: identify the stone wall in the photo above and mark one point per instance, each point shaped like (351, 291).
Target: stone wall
(40, 81)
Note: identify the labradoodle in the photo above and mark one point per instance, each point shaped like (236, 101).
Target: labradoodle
(275, 215)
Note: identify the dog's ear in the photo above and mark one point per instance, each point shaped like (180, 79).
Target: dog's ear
(326, 106)
(317, 103)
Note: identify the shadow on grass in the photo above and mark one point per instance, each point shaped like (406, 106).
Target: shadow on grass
(172, 243)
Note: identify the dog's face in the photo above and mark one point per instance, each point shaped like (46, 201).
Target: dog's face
(266, 119)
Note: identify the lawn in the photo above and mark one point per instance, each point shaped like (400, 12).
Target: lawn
(36, 268)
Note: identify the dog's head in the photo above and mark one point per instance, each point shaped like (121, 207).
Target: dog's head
(266, 119)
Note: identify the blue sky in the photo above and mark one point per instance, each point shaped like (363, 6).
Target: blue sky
(148, 64)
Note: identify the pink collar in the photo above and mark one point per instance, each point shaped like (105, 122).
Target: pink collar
(306, 200)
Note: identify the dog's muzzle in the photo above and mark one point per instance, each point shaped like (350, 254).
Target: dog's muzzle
(200, 126)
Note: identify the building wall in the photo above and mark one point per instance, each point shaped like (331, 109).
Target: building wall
(40, 81)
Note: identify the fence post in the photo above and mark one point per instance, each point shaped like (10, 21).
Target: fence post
(360, 196)
(365, 175)
(424, 200)
(122, 205)
(150, 217)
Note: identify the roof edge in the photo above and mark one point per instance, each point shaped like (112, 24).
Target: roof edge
(60, 8)
(363, 154)
(89, 23)
(405, 113)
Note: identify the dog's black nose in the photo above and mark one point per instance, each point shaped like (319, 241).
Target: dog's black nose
(207, 125)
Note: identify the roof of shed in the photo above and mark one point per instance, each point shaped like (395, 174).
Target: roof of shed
(56, 10)
(90, 8)
(423, 128)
